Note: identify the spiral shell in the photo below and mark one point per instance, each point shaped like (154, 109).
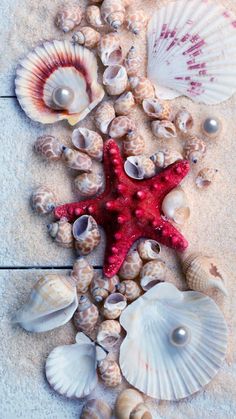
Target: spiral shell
(184, 121)
(132, 62)
(113, 13)
(88, 184)
(101, 287)
(139, 167)
(124, 104)
(120, 126)
(132, 266)
(205, 177)
(157, 109)
(136, 21)
(49, 147)
(96, 409)
(89, 142)
(68, 17)
(109, 332)
(152, 273)
(133, 144)
(163, 129)
(110, 50)
(130, 289)
(86, 233)
(163, 158)
(113, 306)
(93, 17)
(61, 232)
(175, 206)
(43, 200)
(77, 160)
(86, 315)
(87, 36)
(142, 88)
(115, 79)
(194, 149)
(149, 250)
(104, 115)
(130, 405)
(82, 274)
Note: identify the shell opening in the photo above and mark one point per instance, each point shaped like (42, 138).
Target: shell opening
(113, 72)
(146, 284)
(115, 298)
(80, 226)
(132, 169)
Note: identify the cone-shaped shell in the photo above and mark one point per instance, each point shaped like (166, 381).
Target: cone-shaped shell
(57, 81)
(130, 289)
(157, 109)
(43, 200)
(124, 104)
(96, 409)
(132, 266)
(120, 126)
(149, 250)
(194, 149)
(132, 62)
(101, 287)
(134, 145)
(86, 315)
(142, 88)
(115, 79)
(88, 184)
(152, 273)
(128, 405)
(76, 160)
(82, 274)
(88, 141)
(109, 372)
(87, 36)
(104, 114)
(109, 333)
(113, 13)
(48, 147)
(61, 232)
(110, 50)
(136, 20)
(68, 17)
(86, 233)
(139, 167)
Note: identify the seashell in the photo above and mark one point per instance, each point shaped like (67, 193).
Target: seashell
(132, 266)
(163, 129)
(115, 79)
(86, 233)
(96, 409)
(175, 206)
(115, 301)
(110, 50)
(69, 17)
(93, 17)
(101, 287)
(157, 109)
(211, 127)
(77, 160)
(197, 74)
(128, 3)
(43, 200)
(124, 104)
(113, 13)
(139, 167)
(184, 121)
(194, 149)
(90, 142)
(130, 289)
(49, 147)
(136, 21)
(205, 177)
(133, 144)
(109, 372)
(71, 369)
(104, 114)
(61, 232)
(82, 274)
(142, 88)
(87, 36)
(88, 184)
(57, 81)
(111, 314)
(163, 158)
(130, 405)
(190, 327)
(120, 126)
(149, 249)
(152, 273)
(109, 332)
(52, 303)
(86, 315)
(132, 62)
(203, 273)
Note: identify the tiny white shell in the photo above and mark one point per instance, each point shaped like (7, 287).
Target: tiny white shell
(115, 79)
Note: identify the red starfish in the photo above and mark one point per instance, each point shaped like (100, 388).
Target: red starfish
(129, 209)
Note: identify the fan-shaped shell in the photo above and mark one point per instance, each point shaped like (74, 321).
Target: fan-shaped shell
(88, 141)
(58, 65)
(153, 356)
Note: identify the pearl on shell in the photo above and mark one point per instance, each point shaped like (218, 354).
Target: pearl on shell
(63, 97)
(211, 127)
(180, 336)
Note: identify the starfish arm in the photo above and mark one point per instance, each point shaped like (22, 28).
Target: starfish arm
(165, 233)
(76, 209)
(113, 166)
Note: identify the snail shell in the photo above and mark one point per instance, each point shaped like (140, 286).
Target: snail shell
(110, 50)
(49, 147)
(163, 129)
(109, 373)
(93, 17)
(77, 160)
(89, 142)
(132, 62)
(139, 167)
(205, 177)
(61, 232)
(88, 184)
(134, 144)
(175, 206)
(115, 79)
(101, 287)
(96, 409)
(115, 301)
(163, 158)
(86, 315)
(130, 405)
(86, 233)
(109, 333)
(124, 104)
(203, 272)
(130, 289)
(82, 275)
(136, 21)
(132, 266)
(152, 273)
(142, 88)
(43, 200)
(194, 149)
(68, 17)
(104, 114)
(120, 126)
(87, 36)
(184, 121)
(149, 250)
(111, 314)
(157, 109)
(113, 13)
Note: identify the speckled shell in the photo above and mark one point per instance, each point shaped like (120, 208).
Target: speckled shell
(49, 147)
(120, 126)
(89, 142)
(86, 233)
(96, 409)
(115, 301)
(203, 273)
(115, 79)
(104, 114)
(130, 405)
(130, 289)
(194, 149)
(82, 273)
(164, 129)
(136, 21)
(124, 104)
(142, 88)
(184, 121)
(157, 109)
(61, 232)
(163, 158)
(101, 287)
(86, 315)
(43, 200)
(111, 314)
(152, 273)
(88, 184)
(149, 249)
(77, 160)
(139, 167)
(109, 373)
(113, 12)
(110, 50)
(133, 144)
(68, 17)
(205, 177)
(132, 62)
(132, 266)
(87, 36)
(175, 206)
(93, 17)
(109, 332)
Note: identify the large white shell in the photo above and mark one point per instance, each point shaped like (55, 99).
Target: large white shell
(157, 367)
(71, 369)
(191, 50)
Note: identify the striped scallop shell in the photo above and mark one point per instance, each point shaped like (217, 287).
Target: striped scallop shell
(53, 65)
(152, 362)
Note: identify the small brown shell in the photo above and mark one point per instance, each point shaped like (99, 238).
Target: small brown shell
(132, 266)
(111, 314)
(163, 129)
(124, 104)
(205, 177)
(109, 373)
(93, 17)
(69, 17)
(43, 200)
(89, 142)
(194, 149)
(115, 301)
(120, 126)
(134, 144)
(110, 50)
(61, 232)
(183, 121)
(101, 287)
(113, 12)
(86, 233)
(132, 62)
(77, 160)
(149, 250)
(130, 405)
(142, 88)
(163, 158)
(109, 333)
(86, 315)
(104, 115)
(157, 109)
(82, 274)
(87, 36)
(115, 79)
(96, 409)
(49, 147)
(130, 289)
(88, 184)
(139, 167)
(152, 273)
(136, 21)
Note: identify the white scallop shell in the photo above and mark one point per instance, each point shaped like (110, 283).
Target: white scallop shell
(148, 359)
(191, 50)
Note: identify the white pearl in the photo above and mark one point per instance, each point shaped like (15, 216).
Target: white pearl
(180, 336)
(62, 97)
(211, 127)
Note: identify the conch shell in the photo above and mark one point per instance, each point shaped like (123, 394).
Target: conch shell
(120, 126)
(43, 200)
(61, 232)
(175, 206)
(133, 144)
(115, 79)
(113, 12)
(96, 409)
(82, 274)
(86, 233)
(110, 50)
(101, 287)
(152, 273)
(132, 266)
(89, 142)
(194, 149)
(76, 160)
(124, 104)
(69, 17)
(109, 372)
(104, 115)
(93, 17)
(132, 62)
(87, 36)
(49, 147)
(86, 315)
(142, 88)
(88, 184)
(130, 405)
(149, 250)
(109, 332)
(130, 289)
(139, 167)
